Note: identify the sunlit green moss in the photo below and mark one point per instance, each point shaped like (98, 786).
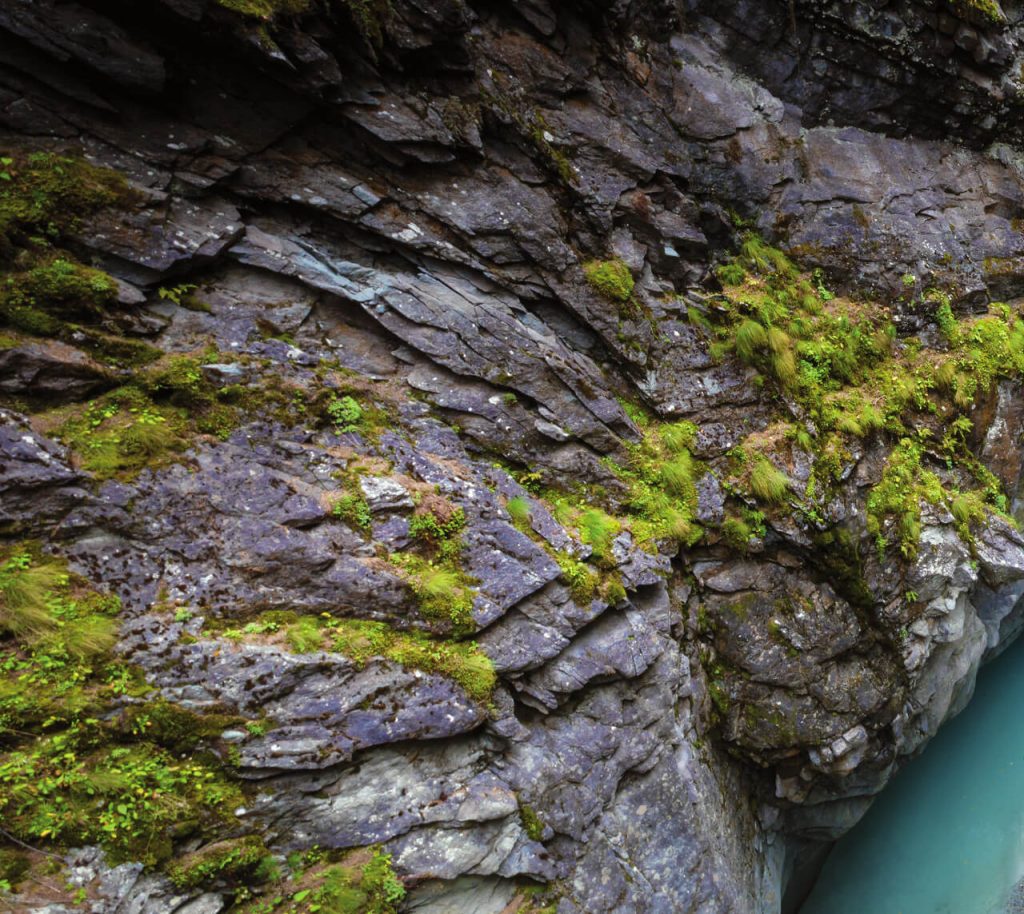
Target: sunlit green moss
(611, 278)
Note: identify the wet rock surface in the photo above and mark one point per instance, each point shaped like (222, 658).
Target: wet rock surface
(406, 223)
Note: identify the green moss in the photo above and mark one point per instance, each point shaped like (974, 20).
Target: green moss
(118, 351)
(180, 380)
(611, 278)
(444, 592)
(361, 882)
(462, 662)
(304, 636)
(234, 861)
(737, 533)
(361, 640)
(894, 505)
(149, 422)
(122, 432)
(59, 286)
(660, 478)
(42, 197)
(582, 581)
(371, 18)
(73, 769)
(532, 823)
(265, 9)
(13, 866)
(174, 727)
(987, 11)
(46, 194)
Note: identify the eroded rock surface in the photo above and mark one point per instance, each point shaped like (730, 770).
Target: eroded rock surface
(402, 216)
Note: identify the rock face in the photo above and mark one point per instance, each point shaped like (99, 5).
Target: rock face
(399, 210)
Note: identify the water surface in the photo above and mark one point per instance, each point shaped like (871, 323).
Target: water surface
(947, 835)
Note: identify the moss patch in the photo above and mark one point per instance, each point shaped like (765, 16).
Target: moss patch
(611, 278)
(358, 882)
(73, 769)
(840, 362)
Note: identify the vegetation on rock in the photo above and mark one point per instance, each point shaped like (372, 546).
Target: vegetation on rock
(358, 882)
(77, 764)
(362, 640)
(611, 278)
(840, 362)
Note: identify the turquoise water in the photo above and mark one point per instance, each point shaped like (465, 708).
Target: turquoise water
(947, 835)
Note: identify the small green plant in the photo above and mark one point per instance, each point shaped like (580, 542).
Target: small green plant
(179, 295)
(345, 413)
(731, 274)
(895, 503)
(737, 533)
(354, 509)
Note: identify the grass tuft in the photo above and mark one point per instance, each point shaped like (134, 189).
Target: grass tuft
(750, 338)
(25, 590)
(519, 511)
(767, 482)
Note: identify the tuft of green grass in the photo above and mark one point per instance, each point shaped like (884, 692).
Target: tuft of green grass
(778, 340)
(768, 482)
(731, 274)
(763, 257)
(597, 530)
(437, 585)
(519, 511)
(750, 338)
(90, 637)
(26, 587)
(737, 533)
(968, 509)
(678, 437)
(678, 475)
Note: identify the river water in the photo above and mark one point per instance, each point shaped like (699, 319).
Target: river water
(947, 835)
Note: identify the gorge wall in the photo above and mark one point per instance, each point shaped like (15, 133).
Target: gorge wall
(478, 478)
